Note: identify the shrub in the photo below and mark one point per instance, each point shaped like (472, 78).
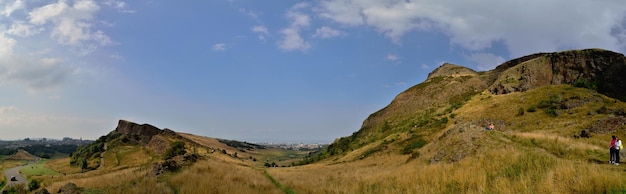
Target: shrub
(552, 112)
(532, 109)
(33, 184)
(520, 111)
(175, 149)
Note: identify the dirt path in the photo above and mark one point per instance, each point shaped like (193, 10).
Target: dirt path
(15, 171)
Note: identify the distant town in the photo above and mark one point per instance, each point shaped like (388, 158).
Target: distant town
(294, 146)
(10, 144)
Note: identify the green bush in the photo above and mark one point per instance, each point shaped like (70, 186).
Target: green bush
(33, 184)
(531, 109)
(552, 112)
(175, 149)
(520, 111)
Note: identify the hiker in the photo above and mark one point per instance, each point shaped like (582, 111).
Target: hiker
(491, 126)
(618, 146)
(612, 150)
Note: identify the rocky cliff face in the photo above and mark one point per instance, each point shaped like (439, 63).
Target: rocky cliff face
(596, 69)
(130, 128)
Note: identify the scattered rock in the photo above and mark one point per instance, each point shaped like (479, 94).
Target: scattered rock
(609, 124)
(70, 188)
(43, 191)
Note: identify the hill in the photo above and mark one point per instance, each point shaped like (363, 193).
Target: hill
(141, 158)
(21, 155)
(418, 115)
(553, 115)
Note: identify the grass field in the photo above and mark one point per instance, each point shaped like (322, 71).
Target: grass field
(38, 169)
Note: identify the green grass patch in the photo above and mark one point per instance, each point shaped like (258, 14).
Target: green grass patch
(38, 169)
(285, 189)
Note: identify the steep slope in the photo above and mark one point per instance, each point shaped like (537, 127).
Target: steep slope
(420, 114)
(592, 68)
(141, 158)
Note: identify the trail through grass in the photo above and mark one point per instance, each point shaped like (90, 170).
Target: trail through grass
(285, 189)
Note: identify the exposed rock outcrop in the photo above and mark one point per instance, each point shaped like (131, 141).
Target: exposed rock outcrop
(70, 188)
(448, 69)
(596, 69)
(130, 128)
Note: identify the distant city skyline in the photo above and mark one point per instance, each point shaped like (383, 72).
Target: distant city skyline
(286, 71)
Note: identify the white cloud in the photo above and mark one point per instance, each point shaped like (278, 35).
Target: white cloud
(6, 45)
(10, 8)
(392, 57)
(327, 32)
(119, 5)
(219, 47)
(292, 40)
(32, 43)
(424, 66)
(71, 24)
(23, 30)
(524, 27)
(485, 61)
(261, 31)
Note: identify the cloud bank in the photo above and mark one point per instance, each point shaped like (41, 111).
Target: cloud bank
(524, 27)
(31, 32)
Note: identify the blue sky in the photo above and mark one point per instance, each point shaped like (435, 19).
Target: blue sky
(285, 71)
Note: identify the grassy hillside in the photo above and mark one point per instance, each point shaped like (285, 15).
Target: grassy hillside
(529, 152)
(122, 166)
(532, 150)
(553, 114)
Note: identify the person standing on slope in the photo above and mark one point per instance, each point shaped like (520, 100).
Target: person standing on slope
(618, 146)
(612, 150)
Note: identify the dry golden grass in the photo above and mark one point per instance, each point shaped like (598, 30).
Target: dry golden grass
(218, 176)
(126, 156)
(495, 171)
(529, 153)
(20, 155)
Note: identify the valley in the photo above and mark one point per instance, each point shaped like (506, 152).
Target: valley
(553, 116)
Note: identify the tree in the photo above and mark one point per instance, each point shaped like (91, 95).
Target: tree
(83, 165)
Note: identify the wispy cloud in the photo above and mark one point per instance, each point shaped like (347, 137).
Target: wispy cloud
(219, 47)
(261, 31)
(327, 32)
(119, 5)
(9, 8)
(393, 58)
(292, 40)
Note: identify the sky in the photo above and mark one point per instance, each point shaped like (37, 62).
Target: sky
(259, 71)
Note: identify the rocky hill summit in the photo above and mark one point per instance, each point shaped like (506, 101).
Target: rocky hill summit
(448, 69)
(130, 128)
(595, 69)
(420, 115)
(141, 132)
(155, 143)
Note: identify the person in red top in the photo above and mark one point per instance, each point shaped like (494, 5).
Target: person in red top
(612, 150)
